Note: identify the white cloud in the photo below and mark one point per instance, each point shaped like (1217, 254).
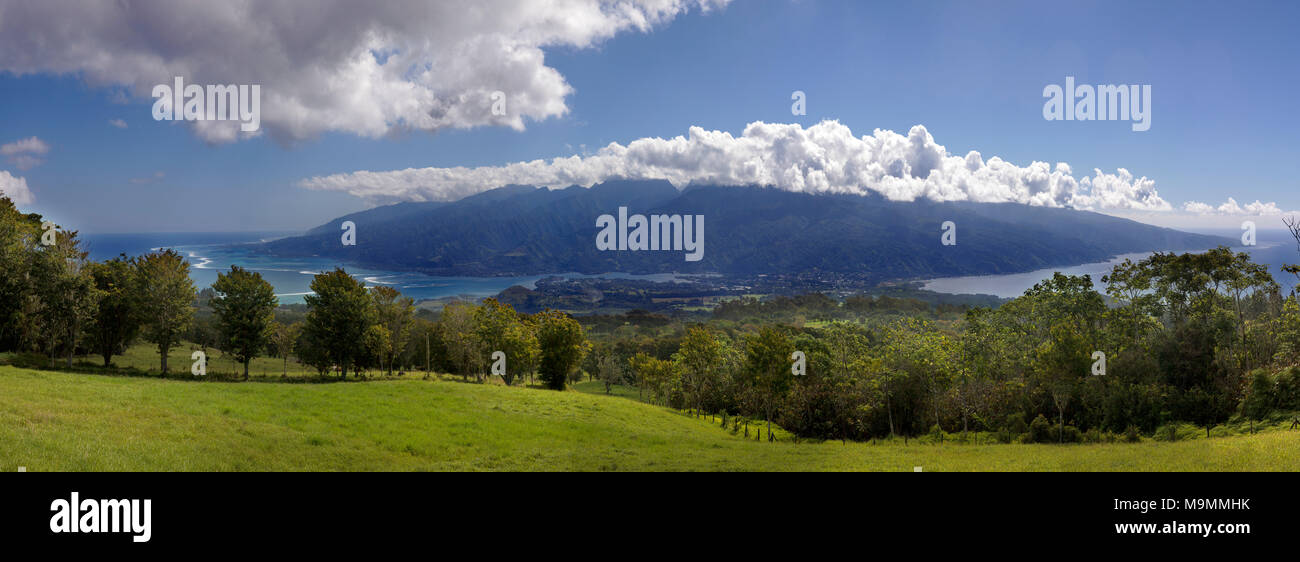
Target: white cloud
(1232, 208)
(25, 153)
(15, 188)
(29, 145)
(1196, 215)
(823, 158)
(367, 68)
(119, 123)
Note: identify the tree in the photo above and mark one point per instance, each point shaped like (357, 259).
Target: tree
(312, 353)
(918, 351)
(1245, 277)
(425, 346)
(1129, 286)
(563, 345)
(656, 377)
(284, 338)
(463, 347)
(245, 307)
(767, 368)
(338, 315)
(118, 321)
(610, 371)
(64, 292)
(700, 359)
(19, 234)
(396, 314)
(1063, 361)
(500, 328)
(378, 344)
(521, 341)
(167, 294)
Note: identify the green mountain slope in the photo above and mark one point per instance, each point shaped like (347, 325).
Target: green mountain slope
(748, 231)
(53, 421)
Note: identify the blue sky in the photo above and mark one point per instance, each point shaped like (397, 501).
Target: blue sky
(1223, 117)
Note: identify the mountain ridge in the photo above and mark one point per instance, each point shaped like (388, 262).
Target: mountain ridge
(523, 230)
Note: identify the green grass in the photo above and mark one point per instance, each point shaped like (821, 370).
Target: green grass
(144, 357)
(67, 421)
(598, 388)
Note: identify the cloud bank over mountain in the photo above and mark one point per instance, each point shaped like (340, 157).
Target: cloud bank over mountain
(366, 68)
(822, 158)
(1232, 208)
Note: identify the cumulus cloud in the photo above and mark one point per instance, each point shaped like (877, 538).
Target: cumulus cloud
(25, 153)
(823, 158)
(15, 188)
(1232, 208)
(367, 68)
(119, 123)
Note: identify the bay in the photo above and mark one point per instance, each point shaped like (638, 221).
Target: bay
(211, 253)
(1273, 248)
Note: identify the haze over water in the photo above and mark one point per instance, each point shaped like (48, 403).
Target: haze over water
(1273, 248)
(214, 252)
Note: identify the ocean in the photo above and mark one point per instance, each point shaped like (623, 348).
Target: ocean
(211, 253)
(1273, 248)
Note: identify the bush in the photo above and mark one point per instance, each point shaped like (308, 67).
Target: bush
(1041, 431)
(936, 433)
(1132, 435)
(1261, 396)
(1013, 428)
(1177, 432)
(1288, 389)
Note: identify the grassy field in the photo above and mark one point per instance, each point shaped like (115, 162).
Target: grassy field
(63, 421)
(142, 358)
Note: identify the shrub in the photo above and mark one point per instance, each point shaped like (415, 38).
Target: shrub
(1013, 428)
(1288, 389)
(1261, 396)
(1177, 432)
(1132, 435)
(1040, 431)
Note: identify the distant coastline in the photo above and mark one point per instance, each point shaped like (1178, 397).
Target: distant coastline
(1010, 285)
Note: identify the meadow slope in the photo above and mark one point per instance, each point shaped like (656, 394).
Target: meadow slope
(52, 421)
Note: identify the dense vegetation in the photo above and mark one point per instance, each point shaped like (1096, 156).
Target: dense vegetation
(1175, 339)
(1194, 338)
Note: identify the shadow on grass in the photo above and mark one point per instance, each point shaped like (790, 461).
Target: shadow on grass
(88, 367)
